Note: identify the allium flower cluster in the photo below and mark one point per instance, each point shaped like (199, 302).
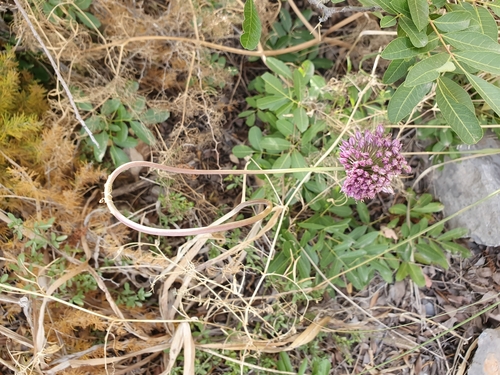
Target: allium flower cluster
(371, 160)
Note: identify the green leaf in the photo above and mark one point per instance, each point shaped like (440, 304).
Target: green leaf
(385, 5)
(426, 70)
(402, 48)
(429, 208)
(471, 41)
(95, 123)
(255, 137)
(84, 106)
(141, 132)
(275, 144)
(283, 162)
(273, 85)
(401, 7)
(252, 28)
(456, 248)
(300, 119)
(403, 271)
(110, 106)
(364, 214)
(242, 151)
(453, 21)
(431, 255)
(366, 240)
(138, 104)
(489, 92)
(397, 69)
(486, 61)
(404, 100)
(419, 10)
(416, 274)
(83, 4)
(482, 21)
(129, 142)
(298, 161)
(494, 6)
(299, 85)
(154, 116)
(121, 135)
(272, 102)
(458, 110)
(89, 20)
(279, 67)
(100, 150)
(453, 234)
(285, 127)
(418, 38)
(118, 156)
(388, 21)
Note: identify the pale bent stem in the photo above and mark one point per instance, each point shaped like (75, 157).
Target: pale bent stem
(108, 198)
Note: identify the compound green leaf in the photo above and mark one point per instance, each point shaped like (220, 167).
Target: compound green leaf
(453, 21)
(252, 28)
(418, 38)
(489, 92)
(486, 61)
(397, 69)
(279, 67)
(471, 41)
(404, 100)
(419, 10)
(403, 271)
(432, 255)
(455, 105)
(426, 70)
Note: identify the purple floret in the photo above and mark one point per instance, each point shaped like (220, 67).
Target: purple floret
(371, 160)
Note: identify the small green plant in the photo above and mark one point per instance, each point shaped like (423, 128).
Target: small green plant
(287, 33)
(175, 207)
(132, 298)
(120, 124)
(73, 11)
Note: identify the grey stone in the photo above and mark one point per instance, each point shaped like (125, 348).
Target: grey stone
(487, 357)
(463, 183)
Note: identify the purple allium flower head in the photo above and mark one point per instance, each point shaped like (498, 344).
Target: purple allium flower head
(371, 160)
